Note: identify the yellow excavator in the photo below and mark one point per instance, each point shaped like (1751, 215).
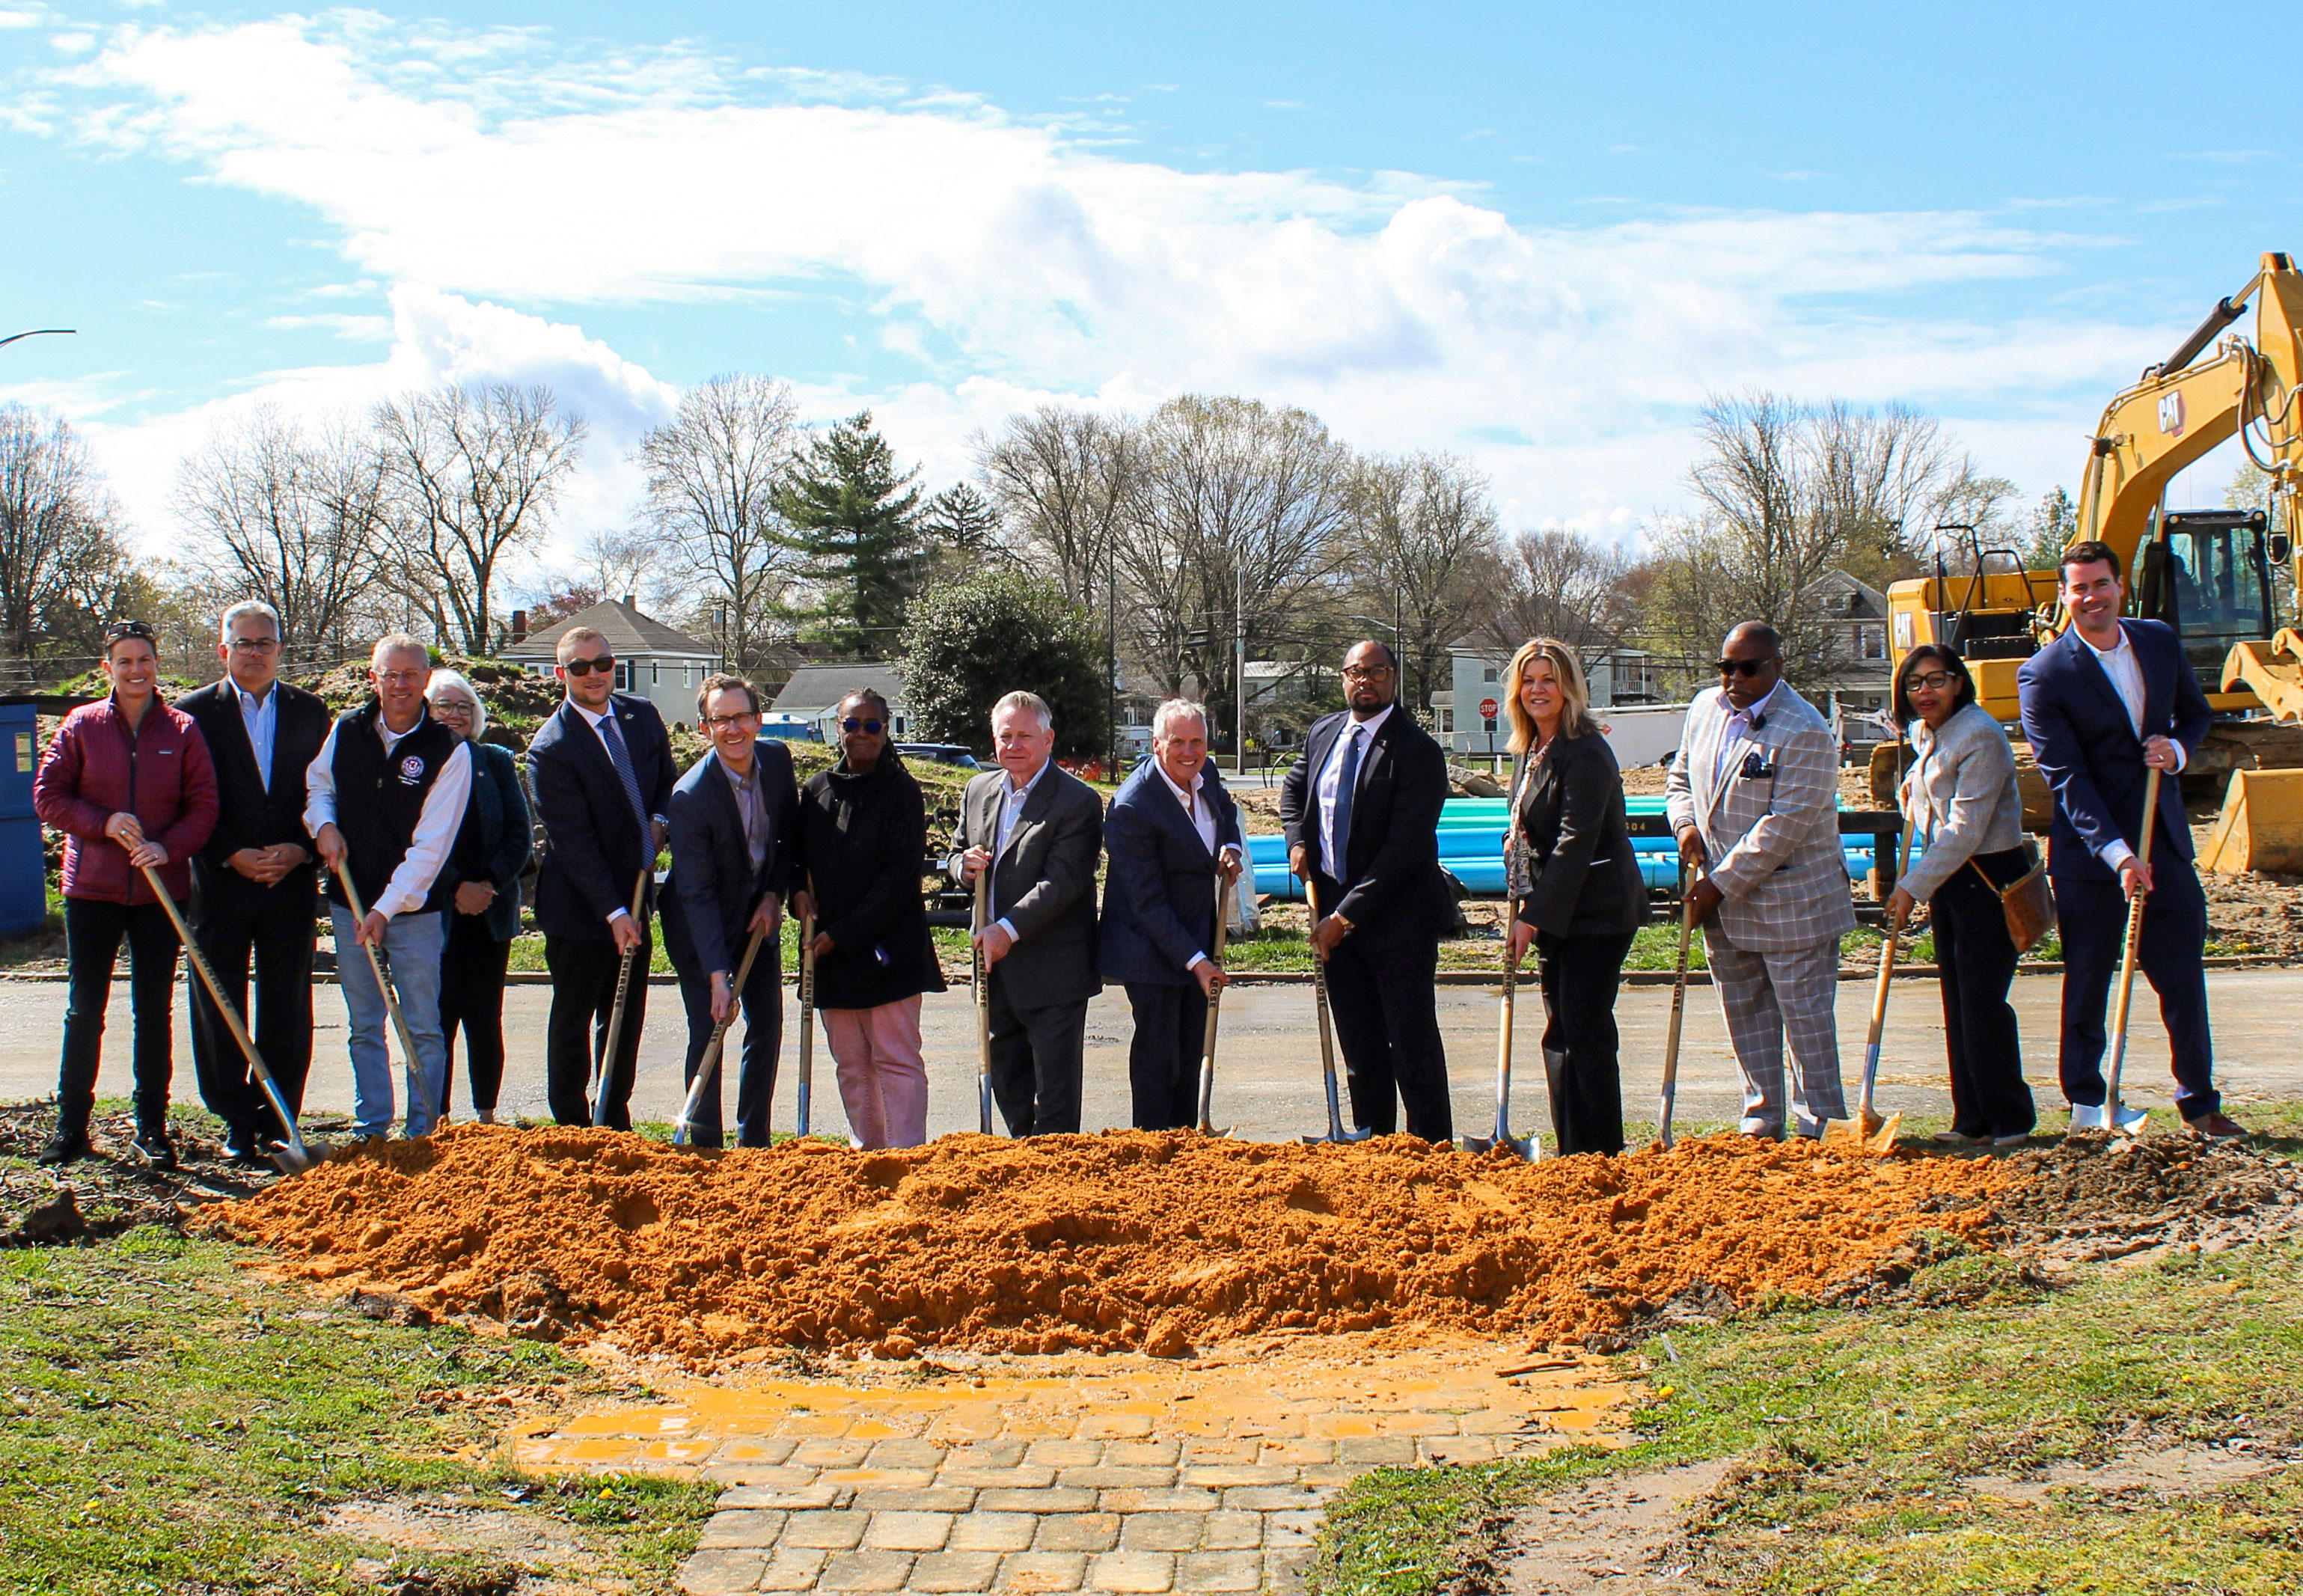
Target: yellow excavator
(2210, 574)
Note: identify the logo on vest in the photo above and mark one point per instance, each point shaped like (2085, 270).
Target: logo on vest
(411, 770)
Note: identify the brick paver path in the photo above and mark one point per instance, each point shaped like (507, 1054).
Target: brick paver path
(1044, 1474)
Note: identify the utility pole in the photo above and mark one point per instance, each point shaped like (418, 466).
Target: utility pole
(1111, 647)
(1239, 671)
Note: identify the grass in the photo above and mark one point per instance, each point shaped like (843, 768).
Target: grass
(1862, 1437)
(169, 1423)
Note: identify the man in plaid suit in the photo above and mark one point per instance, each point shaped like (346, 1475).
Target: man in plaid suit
(1752, 799)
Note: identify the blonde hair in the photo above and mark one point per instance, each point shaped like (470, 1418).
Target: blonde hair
(1575, 693)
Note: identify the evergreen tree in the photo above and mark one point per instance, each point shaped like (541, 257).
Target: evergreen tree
(970, 642)
(851, 514)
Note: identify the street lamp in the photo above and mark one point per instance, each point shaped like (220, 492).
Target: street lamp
(38, 333)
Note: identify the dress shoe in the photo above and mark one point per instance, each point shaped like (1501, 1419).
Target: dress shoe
(65, 1147)
(1957, 1138)
(2015, 1140)
(155, 1148)
(2217, 1128)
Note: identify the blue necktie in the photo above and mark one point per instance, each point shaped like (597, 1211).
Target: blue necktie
(1345, 779)
(623, 760)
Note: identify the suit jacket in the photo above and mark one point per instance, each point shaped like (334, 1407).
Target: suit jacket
(713, 889)
(1769, 816)
(493, 843)
(246, 814)
(2087, 748)
(1159, 891)
(594, 847)
(1390, 888)
(1573, 870)
(1042, 883)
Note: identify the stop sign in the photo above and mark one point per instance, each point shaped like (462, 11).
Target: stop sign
(1488, 707)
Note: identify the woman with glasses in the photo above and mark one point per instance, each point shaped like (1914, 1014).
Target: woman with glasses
(130, 784)
(1967, 837)
(1578, 886)
(863, 834)
(481, 879)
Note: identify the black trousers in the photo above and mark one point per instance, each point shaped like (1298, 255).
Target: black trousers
(94, 929)
(1036, 1063)
(1163, 1057)
(762, 999)
(1580, 976)
(1975, 959)
(472, 965)
(275, 932)
(584, 976)
(1385, 1004)
(2093, 919)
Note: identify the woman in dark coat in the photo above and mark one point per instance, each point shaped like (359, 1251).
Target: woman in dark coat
(482, 876)
(862, 835)
(1581, 897)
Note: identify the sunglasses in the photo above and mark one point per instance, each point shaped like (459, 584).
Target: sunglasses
(606, 662)
(1743, 667)
(120, 629)
(870, 728)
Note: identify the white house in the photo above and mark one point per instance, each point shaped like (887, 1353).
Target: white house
(814, 693)
(1621, 676)
(661, 664)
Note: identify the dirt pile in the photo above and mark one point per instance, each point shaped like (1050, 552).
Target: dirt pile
(1124, 1240)
(2082, 1200)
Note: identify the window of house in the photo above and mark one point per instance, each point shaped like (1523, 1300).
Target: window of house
(655, 673)
(623, 676)
(1491, 673)
(1447, 721)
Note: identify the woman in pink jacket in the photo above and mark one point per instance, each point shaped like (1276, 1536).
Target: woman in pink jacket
(129, 783)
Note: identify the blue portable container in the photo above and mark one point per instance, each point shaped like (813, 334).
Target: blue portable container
(23, 874)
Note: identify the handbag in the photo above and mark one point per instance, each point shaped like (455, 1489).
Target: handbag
(2026, 901)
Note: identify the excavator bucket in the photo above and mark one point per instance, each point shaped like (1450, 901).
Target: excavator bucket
(2273, 671)
(2261, 826)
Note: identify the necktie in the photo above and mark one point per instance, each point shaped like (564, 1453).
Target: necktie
(623, 761)
(1345, 779)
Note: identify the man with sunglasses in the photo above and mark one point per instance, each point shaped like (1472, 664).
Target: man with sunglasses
(252, 885)
(1753, 799)
(733, 826)
(601, 770)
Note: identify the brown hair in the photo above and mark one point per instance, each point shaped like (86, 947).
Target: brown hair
(722, 682)
(572, 638)
(1574, 719)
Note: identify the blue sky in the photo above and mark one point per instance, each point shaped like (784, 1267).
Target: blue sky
(1536, 235)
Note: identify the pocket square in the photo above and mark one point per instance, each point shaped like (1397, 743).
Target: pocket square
(1756, 767)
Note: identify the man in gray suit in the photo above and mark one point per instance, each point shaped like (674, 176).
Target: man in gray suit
(1038, 830)
(1753, 798)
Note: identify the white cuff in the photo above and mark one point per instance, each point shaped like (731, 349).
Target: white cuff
(2182, 757)
(1002, 923)
(1196, 960)
(621, 914)
(2116, 853)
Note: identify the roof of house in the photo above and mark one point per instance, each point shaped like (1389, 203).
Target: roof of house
(821, 687)
(628, 632)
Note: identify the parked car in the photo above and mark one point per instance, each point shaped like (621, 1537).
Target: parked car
(957, 754)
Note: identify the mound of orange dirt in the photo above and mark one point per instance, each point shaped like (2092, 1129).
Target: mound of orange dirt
(1128, 1240)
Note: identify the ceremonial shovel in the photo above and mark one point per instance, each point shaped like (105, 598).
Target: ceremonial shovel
(605, 1071)
(1336, 1131)
(1519, 1147)
(1215, 1005)
(982, 1002)
(707, 1067)
(1868, 1129)
(806, 1008)
(416, 1083)
(2113, 1122)
(1678, 1008)
(293, 1158)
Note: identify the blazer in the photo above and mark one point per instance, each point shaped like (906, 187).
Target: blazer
(493, 843)
(594, 845)
(713, 889)
(864, 847)
(248, 814)
(1573, 870)
(1390, 887)
(1769, 816)
(2087, 748)
(160, 773)
(1042, 883)
(1159, 890)
(1960, 797)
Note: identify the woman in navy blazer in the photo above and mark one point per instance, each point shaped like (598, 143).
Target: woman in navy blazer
(1160, 909)
(482, 879)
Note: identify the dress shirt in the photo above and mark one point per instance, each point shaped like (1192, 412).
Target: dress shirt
(2125, 672)
(593, 720)
(1016, 797)
(1203, 822)
(1738, 727)
(749, 806)
(436, 824)
(261, 718)
(1365, 731)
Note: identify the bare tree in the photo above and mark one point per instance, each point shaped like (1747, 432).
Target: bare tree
(475, 474)
(294, 516)
(1426, 552)
(1062, 479)
(1557, 584)
(61, 553)
(715, 476)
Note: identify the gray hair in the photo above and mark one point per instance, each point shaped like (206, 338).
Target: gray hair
(1177, 709)
(400, 643)
(248, 606)
(1030, 704)
(457, 679)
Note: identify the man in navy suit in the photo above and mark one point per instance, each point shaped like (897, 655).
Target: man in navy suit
(733, 820)
(2102, 704)
(1170, 829)
(1361, 813)
(601, 768)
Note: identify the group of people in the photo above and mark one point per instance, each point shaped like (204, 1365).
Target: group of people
(231, 799)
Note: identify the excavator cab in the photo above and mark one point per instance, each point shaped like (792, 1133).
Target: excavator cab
(2208, 574)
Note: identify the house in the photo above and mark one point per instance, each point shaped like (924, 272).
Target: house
(1621, 676)
(814, 693)
(1846, 620)
(661, 664)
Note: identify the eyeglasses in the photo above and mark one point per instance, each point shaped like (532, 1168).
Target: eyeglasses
(401, 679)
(255, 644)
(1745, 667)
(606, 662)
(451, 706)
(1365, 672)
(1935, 681)
(713, 722)
(870, 728)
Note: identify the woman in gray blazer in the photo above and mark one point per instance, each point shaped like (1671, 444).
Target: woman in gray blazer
(1967, 816)
(482, 877)
(1581, 897)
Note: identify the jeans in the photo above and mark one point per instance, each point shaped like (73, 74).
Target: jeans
(93, 930)
(411, 957)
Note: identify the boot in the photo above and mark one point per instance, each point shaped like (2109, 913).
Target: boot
(153, 1147)
(68, 1145)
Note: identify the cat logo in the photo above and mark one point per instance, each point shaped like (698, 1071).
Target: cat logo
(2170, 413)
(411, 770)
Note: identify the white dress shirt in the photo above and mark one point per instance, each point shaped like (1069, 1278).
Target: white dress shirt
(1015, 797)
(1203, 820)
(2125, 672)
(1737, 728)
(1331, 772)
(260, 718)
(436, 824)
